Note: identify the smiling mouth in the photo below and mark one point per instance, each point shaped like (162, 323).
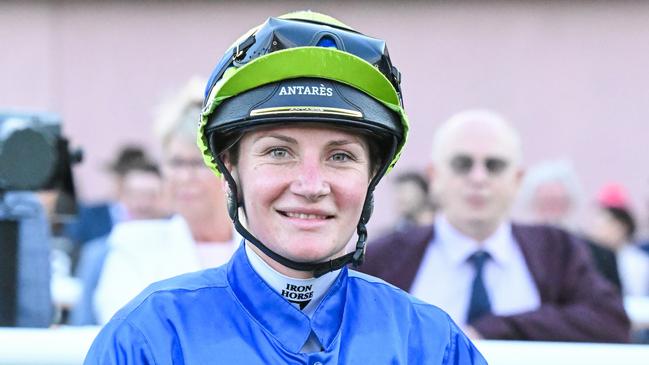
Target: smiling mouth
(305, 215)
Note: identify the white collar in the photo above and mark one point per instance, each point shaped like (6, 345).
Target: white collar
(310, 291)
(457, 247)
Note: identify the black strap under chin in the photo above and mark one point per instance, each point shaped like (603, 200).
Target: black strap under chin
(319, 268)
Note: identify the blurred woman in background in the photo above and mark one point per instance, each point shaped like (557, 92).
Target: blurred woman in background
(198, 235)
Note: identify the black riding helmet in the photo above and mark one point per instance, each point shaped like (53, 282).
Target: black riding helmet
(304, 67)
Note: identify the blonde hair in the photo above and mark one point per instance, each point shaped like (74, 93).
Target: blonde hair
(179, 115)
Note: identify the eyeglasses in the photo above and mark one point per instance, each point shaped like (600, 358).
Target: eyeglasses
(463, 164)
(177, 163)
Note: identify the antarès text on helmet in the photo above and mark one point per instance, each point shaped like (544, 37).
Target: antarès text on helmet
(306, 90)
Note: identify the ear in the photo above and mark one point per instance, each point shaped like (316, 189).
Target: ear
(520, 174)
(233, 202)
(430, 174)
(234, 172)
(225, 157)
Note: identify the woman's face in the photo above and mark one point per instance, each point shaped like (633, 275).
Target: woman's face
(303, 188)
(194, 190)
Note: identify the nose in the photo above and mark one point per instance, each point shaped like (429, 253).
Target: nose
(184, 174)
(310, 181)
(478, 173)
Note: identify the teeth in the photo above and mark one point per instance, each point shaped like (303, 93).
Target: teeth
(305, 216)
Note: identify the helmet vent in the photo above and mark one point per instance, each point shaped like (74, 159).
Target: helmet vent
(327, 42)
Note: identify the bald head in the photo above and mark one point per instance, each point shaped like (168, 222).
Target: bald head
(483, 126)
(475, 171)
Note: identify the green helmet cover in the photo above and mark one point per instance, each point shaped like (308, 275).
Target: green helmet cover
(318, 62)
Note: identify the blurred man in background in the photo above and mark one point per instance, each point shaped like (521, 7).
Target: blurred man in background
(81, 244)
(141, 194)
(551, 194)
(133, 199)
(412, 201)
(500, 280)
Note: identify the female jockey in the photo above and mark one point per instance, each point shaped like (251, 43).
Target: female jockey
(302, 117)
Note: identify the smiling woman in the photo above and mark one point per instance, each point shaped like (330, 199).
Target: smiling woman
(302, 118)
(305, 187)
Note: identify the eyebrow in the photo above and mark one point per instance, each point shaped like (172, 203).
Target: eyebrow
(277, 136)
(335, 143)
(343, 142)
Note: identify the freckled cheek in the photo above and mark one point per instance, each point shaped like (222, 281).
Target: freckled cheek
(349, 195)
(264, 190)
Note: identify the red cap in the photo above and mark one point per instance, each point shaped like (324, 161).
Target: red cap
(613, 195)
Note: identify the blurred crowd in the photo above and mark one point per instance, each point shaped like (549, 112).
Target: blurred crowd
(552, 263)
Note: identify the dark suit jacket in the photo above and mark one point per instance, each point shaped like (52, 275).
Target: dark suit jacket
(644, 246)
(605, 261)
(577, 304)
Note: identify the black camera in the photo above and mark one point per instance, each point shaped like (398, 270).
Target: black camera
(33, 156)
(33, 153)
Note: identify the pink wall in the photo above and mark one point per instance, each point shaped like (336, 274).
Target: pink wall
(572, 77)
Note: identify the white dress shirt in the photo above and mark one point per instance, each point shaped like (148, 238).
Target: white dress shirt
(445, 276)
(633, 265)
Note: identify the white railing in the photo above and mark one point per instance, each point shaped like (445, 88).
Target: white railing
(41, 346)
(68, 346)
(561, 353)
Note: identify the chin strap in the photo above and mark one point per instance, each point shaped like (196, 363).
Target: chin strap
(318, 268)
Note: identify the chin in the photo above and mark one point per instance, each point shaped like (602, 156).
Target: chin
(314, 251)
(307, 254)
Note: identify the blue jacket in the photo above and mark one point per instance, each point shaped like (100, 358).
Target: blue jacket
(229, 315)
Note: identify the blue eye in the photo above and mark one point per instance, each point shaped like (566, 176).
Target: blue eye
(278, 153)
(340, 157)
